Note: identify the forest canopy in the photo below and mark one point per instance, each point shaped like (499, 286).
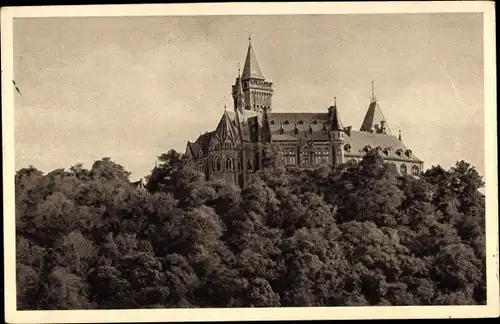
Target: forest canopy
(356, 235)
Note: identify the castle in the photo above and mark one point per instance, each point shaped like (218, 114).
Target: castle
(234, 149)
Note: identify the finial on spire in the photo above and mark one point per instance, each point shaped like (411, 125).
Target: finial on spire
(373, 92)
(239, 73)
(399, 135)
(335, 101)
(249, 37)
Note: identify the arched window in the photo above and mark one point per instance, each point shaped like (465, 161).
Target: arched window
(216, 164)
(408, 153)
(403, 168)
(238, 164)
(229, 163)
(415, 170)
(399, 152)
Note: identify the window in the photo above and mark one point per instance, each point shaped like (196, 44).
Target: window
(387, 151)
(229, 163)
(286, 122)
(415, 170)
(238, 165)
(200, 167)
(304, 158)
(347, 148)
(408, 153)
(367, 148)
(324, 155)
(300, 122)
(282, 130)
(216, 164)
(249, 164)
(404, 169)
(272, 122)
(399, 152)
(317, 156)
(290, 156)
(315, 122)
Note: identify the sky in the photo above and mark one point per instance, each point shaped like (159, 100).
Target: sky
(131, 88)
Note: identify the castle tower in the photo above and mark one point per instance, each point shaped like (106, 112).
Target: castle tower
(257, 91)
(336, 136)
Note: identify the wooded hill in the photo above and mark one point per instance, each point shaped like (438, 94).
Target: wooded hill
(357, 235)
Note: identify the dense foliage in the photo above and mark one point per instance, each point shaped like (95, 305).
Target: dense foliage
(357, 235)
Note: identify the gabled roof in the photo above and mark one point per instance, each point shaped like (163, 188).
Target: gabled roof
(251, 68)
(226, 129)
(203, 142)
(373, 117)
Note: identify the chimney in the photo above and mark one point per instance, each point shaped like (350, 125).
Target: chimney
(382, 127)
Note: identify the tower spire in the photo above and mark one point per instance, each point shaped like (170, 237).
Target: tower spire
(399, 135)
(251, 68)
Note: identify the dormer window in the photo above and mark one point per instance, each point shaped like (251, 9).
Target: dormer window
(296, 130)
(387, 151)
(399, 152)
(408, 153)
(347, 148)
(272, 122)
(286, 122)
(301, 122)
(315, 122)
(367, 148)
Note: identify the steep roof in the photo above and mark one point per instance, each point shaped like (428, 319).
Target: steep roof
(203, 142)
(226, 129)
(336, 122)
(297, 118)
(251, 68)
(359, 140)
(373, 117)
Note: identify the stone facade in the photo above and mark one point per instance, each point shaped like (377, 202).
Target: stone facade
(234, 149)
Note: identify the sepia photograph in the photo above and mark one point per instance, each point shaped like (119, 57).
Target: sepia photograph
(249, 162)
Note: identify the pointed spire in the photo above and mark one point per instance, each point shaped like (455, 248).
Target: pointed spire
(336, 122)
(374, 117)
(251, 68)
(335, 101)
(399, 135)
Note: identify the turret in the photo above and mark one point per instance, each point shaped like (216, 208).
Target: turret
(337, 131)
